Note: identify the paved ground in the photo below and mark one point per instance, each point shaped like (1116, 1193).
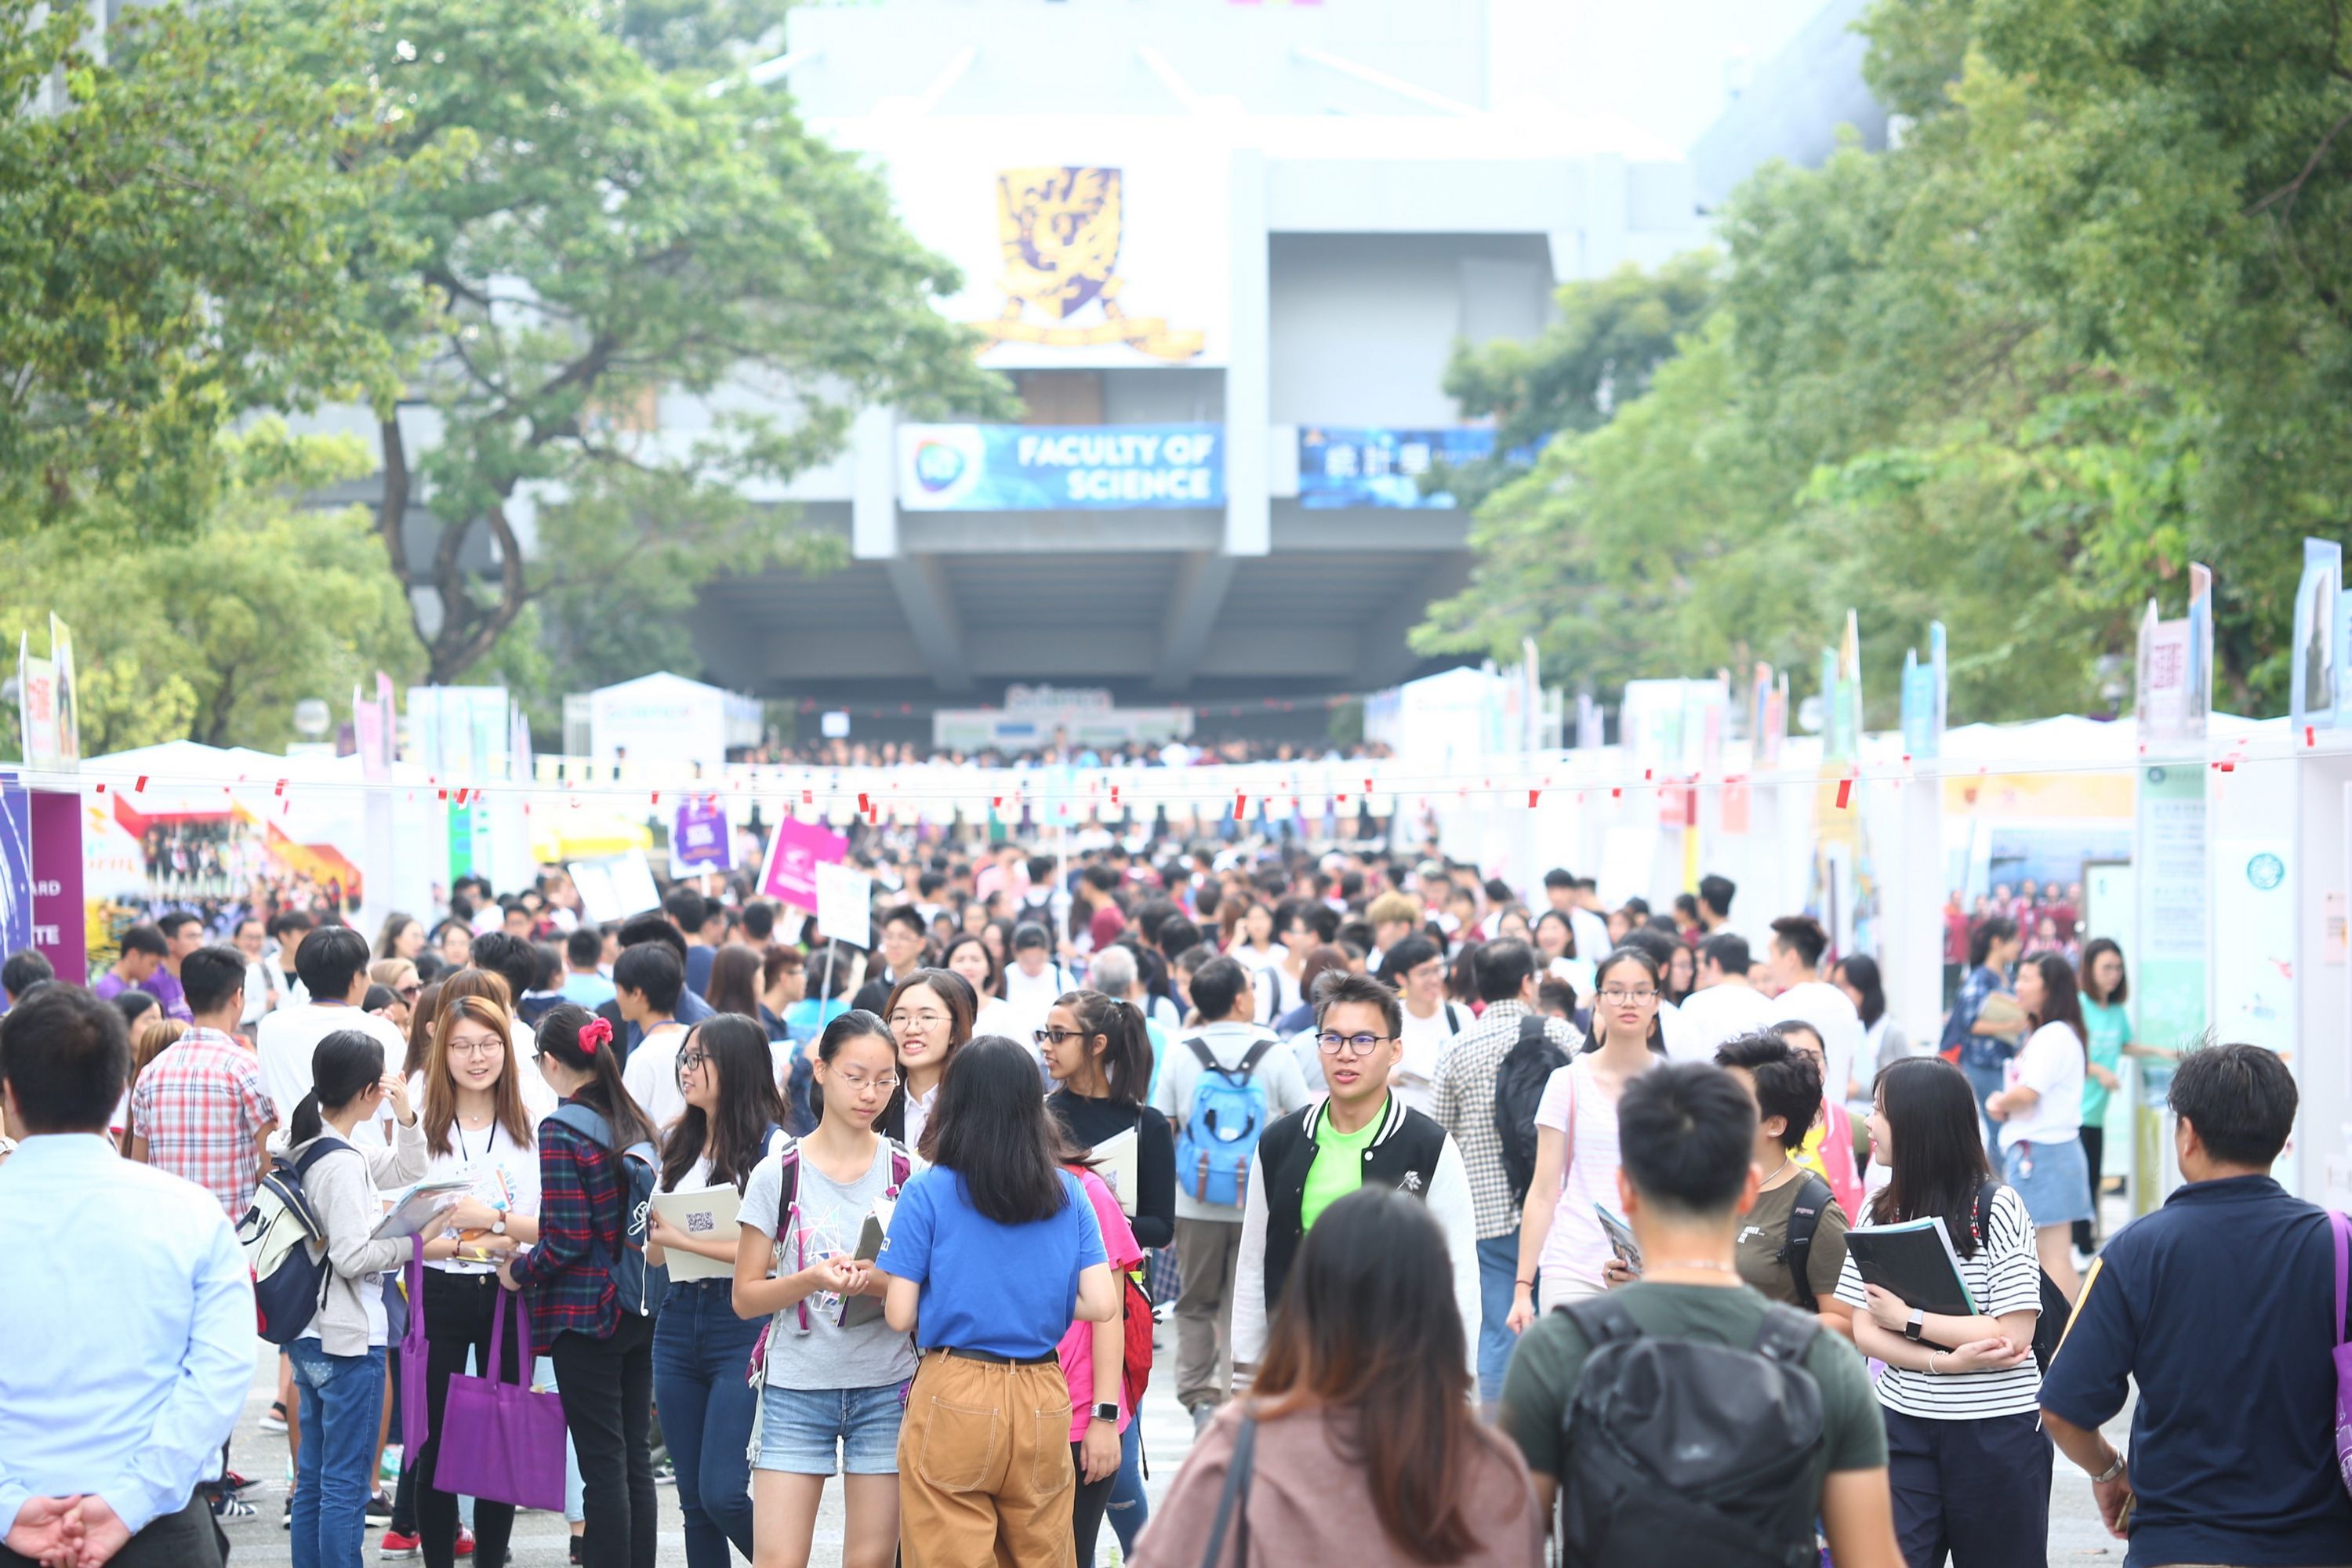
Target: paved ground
(2075, 1533)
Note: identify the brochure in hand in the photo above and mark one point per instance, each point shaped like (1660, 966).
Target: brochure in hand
(701, 1212)
(858, 1311)
(414, 1211)
(1621, 1239)
(1915, 1261)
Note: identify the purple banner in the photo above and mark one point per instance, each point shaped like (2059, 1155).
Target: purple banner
(58, 932)
(700, 837)
(16, 865)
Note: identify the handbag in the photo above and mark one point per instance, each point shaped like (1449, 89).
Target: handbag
(2342, 1228)
(415, 1418)
(502, 1442)
(1233, 1503)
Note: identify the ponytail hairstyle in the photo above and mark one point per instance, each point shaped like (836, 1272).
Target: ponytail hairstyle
(736, 1138)
(347, 1064)
(561, 1033)
(1125, 1059)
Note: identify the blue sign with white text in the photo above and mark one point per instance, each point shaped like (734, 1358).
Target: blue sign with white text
(1060, 467)
(1359, 466)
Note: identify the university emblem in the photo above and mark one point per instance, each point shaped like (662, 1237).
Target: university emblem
(1059, 230)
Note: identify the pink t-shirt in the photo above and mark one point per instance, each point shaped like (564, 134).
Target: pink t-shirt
(1078, 1347)
(1578, 1247)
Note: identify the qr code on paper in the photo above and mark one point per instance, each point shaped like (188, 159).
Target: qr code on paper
(695, 1222)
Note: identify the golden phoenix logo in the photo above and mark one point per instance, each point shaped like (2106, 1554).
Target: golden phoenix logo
(1058, 228)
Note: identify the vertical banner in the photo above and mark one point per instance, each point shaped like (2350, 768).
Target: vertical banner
(1767, 717)
(57, 913)
(66, 696)
(1589, 734)
(2176, 665)
(2317, 680)
(37, 705)
(16, 864)
(700, 837)
(1925, 697)
(795, 852)
(2173, 915)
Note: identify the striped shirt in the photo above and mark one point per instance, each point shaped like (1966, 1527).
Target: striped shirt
(2004, 1277)
(202, 1106)
(1461, 1100)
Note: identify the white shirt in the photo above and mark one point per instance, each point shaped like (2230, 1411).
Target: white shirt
(502, 1170)
(1032, 996)
(1718, 1013)
(651, 1075)
(258, 981)
(1591, 935)
(1831, 1013)
(1425, 1041)
(286, 1041)
(2051, 1064)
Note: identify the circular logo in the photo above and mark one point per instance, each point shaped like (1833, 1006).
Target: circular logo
(2266, 871)
(938, 465)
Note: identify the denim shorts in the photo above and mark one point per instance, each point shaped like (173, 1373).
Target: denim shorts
(2057, 1190)
(824, 1431)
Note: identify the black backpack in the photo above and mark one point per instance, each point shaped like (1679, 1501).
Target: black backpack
(1709, 1446)
(2051, 1326)
(1519, 1082)
(1813, 1195)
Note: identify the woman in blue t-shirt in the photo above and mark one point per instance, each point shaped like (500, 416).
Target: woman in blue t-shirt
(992, 1255)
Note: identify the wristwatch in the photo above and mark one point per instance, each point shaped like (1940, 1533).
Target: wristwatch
(498, 1225)
(2111, 1472)
(1911, 1328)
(1107, 1413)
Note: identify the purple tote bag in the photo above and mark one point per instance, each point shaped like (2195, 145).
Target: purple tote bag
(2343, 1229)
(499, 1441)
(415, 1419)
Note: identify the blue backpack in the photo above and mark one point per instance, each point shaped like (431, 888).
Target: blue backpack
(1222, 1129)
(640, 1285)
(279, 1234)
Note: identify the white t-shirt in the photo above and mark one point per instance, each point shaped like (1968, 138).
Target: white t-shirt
(2003, 1278)
(1029, 997)
(1425, 1040)
(503, 1171)
(2051, 1064)
(286, 1041)
(1576, 1247)
(651, 1075)
(1831, 1013)
(1591, 935)
(1721, 1013)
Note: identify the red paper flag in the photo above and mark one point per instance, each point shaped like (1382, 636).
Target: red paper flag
(1532, 794)
(278, 788)
(1241, 806)
(140, 787)
(1845, 793)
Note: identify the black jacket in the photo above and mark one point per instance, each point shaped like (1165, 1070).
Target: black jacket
(1402, 1154)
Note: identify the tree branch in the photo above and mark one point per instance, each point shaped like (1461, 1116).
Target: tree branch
(392, 512)
(2294, 188)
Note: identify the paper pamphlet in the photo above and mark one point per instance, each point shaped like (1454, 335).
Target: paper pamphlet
(856, 1310)
(1916, 1261)
(1118, 1163)
(414, 1212)
(707, 1213)
(1621, 1239)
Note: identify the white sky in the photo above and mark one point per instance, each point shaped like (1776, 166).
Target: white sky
(1658, 63)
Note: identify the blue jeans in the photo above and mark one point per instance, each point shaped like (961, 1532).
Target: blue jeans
(340, 1401)
(700, 1351)
(1987, 1081)
(1130, 1509)
(1498, 1269)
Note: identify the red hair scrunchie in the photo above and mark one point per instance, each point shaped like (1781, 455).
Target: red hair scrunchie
(595, 1032)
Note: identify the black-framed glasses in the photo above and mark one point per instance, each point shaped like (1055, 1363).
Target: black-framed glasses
(1332, 1044)
(1055, 1036)
(1617, 996)
(688, 1062)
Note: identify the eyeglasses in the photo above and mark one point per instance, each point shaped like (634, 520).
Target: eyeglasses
(482, 1046)
(857, 1082)
(1618, 996)
(1351, 1045)
(410, 992)
(1055, 1036)
(917, 1020)
(688, 1062)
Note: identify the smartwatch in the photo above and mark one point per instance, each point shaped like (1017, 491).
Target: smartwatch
(1911, 1328)
(1107, 1413)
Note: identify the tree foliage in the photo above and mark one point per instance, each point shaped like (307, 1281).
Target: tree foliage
(2087, 323)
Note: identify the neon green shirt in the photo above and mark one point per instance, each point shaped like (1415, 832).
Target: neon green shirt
(1338, 1168)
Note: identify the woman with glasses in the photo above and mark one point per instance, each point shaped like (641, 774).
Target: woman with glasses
(733, 1120)
(929, 1013)
(1098, 1052)
(477, 1126)
(832, 1395)
(1560, 1239)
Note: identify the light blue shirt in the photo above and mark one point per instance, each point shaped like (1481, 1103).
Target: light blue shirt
(591, 991)
(128, 1319)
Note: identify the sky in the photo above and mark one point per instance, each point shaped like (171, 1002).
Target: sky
(1661, 64)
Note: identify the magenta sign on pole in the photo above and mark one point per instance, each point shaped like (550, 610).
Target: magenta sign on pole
(58, 932)
(794, 853)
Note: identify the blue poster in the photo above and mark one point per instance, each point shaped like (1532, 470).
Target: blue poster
(2316, 675)
(1060, 467)
(1341, 467)
(16, 865)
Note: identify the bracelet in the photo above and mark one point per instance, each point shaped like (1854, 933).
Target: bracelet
(2111, 1472)
(1528, 1283)
(1931, 1363)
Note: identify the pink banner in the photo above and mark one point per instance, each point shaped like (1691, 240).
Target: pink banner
(58, 932)
(794, 853)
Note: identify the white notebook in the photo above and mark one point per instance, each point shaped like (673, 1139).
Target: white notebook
(705, 1212)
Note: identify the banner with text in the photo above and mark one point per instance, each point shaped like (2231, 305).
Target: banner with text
(1060, 467)
(1341, 467)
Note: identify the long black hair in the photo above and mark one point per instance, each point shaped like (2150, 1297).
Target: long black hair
(1939, 1154)
(346, 1064)
(2061, 1004)
(2093, 950)
(992, 1129)
(1126, 1056)
(604, 1093)
(737, 1139)
(1862, 973)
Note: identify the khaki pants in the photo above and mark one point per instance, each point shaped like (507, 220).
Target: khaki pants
(1206, 1252)
(984, 1470)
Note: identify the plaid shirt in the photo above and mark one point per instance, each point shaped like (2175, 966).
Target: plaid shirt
(202, 1106)
(1977, 1050)
(579, 1204)
(1463, 1104)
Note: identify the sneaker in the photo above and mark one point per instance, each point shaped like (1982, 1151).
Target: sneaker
(575, 1549)
(276, 1420)
(395, 1545)
(286, 1521)
(379, 1509)
(465, 1542)
(228, 1506)
(231, 1481)
(665, 1473)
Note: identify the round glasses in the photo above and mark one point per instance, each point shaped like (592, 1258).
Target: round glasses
(481, 1046)
(1350, 1045)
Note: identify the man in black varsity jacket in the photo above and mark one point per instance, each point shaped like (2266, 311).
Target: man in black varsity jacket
(1361, 1136)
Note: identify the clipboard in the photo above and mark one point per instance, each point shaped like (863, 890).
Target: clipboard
(703, 1213)
(415, 1210)
(856, 1312)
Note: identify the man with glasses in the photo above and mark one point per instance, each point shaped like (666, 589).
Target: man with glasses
(1362, 1135)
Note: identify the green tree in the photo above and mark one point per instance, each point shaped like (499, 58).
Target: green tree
(705, 35)
(174, 252)
(652, 306)
(214, 635)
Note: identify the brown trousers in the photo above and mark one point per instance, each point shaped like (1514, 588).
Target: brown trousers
(984, 1470)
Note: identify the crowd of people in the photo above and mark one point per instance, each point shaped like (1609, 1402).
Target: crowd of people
(1479, 1221)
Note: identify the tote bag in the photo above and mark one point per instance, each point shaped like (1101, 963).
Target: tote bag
(2342, 1227)
(415, 1419)
(501, 1441)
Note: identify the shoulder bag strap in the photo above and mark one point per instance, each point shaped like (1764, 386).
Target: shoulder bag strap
(1813, 1195)
(1233, 1503)
(2342, 1227)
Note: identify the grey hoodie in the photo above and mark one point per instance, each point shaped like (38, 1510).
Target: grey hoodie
(344, 1194)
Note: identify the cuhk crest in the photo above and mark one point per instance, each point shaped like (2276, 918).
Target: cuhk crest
(1058, 228)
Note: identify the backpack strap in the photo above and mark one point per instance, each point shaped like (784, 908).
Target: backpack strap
(1453, 1020)
(1250, 1058)
(586, 1122)
(1786, 1335)
(1602, 1320)
(1983, 1226)
(1202, 1053)
(1812, 1196)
